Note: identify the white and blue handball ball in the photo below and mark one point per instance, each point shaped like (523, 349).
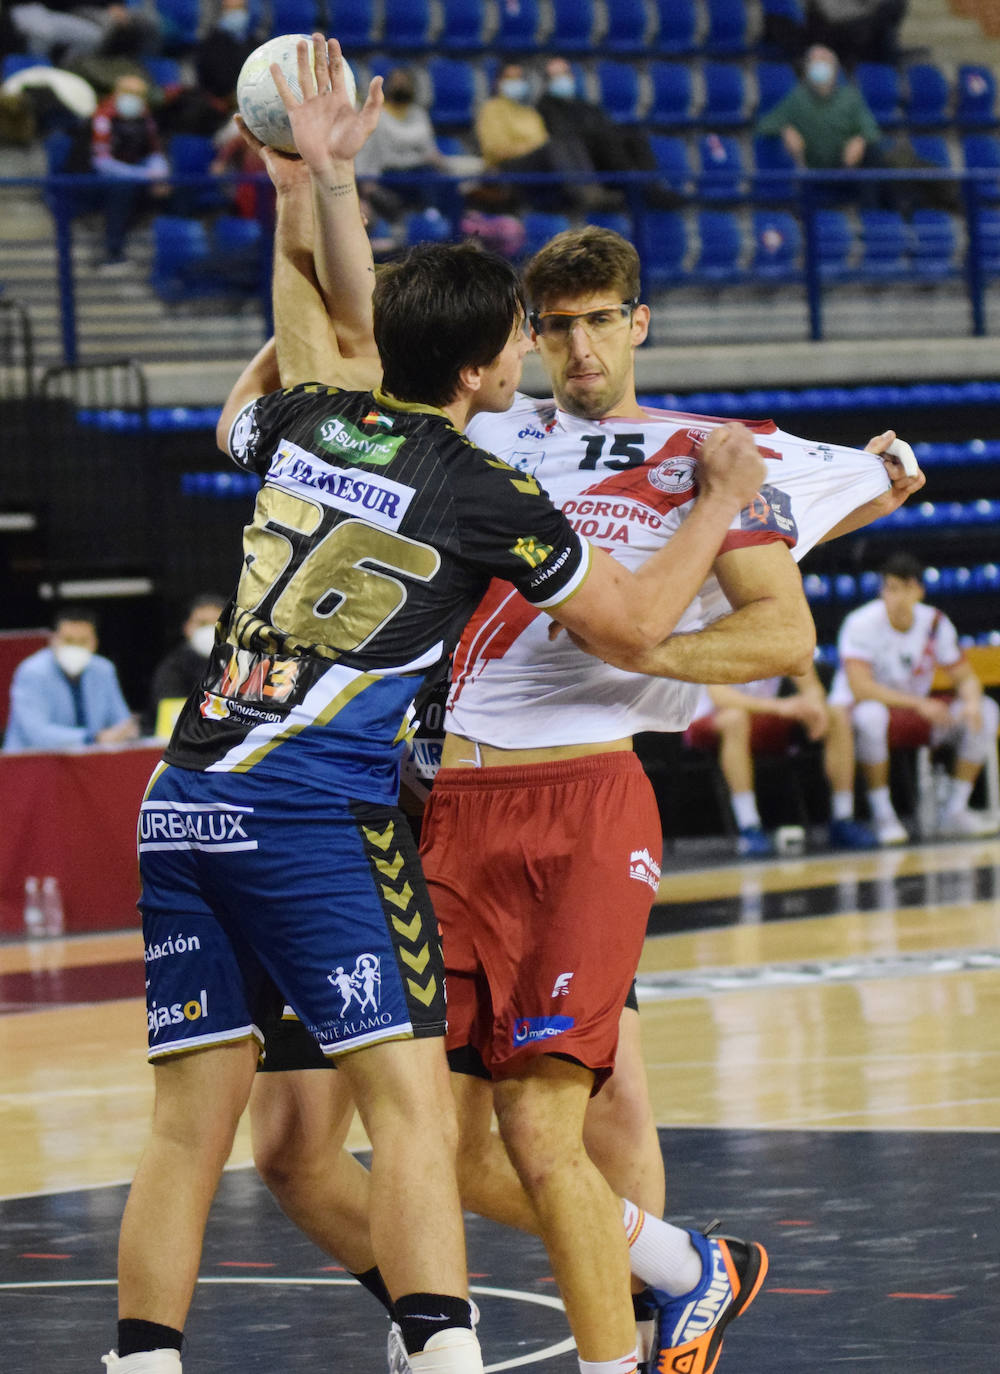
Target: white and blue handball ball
(258, 98)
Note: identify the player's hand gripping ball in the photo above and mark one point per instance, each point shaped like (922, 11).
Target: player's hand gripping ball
(257, 96)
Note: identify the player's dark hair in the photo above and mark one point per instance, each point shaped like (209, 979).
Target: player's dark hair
(904, 566)
(203, 599)
(70, 610)
(439, 309)
(581, 262)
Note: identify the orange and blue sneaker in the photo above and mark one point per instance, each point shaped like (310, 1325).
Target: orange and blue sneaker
(689, 1330)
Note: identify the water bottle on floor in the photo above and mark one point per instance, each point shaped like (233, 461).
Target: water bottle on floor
(53, 919)
(34, 917)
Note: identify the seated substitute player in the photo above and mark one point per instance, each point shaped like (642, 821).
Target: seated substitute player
(740, 722)
(270, 832)
(724, 1273)
(888, 652)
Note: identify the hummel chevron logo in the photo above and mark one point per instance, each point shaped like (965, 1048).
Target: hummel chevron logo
(400, 898)
(382, 841)
(389, 868)
(408, 929)
(417, 962)
(425, 995)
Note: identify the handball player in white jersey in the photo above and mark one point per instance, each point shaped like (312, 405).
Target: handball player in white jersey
(578, 876)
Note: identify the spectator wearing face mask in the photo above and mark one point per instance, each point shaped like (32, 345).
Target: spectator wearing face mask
(180, 670)
(67, 695)
(403, 141)
(513, 139)
(603, 145)
(824, 122)
(125, 149)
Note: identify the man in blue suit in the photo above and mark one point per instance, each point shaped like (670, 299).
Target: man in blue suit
(66, 694)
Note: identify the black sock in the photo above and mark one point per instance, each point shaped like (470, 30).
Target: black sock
(643, 1306)
(135, 1336)
(372, 1280)
(423, 1315)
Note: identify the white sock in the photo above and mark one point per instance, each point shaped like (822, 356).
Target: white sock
(626, 1365)
(144, 1362)
(843, 806)
(881, 804)
(744, 806)
(958, 797)
(454, 1351)
(660, 1254)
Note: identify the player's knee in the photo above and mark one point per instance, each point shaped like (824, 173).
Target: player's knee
(733, 723)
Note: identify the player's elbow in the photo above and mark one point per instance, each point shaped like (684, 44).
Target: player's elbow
(797, 646)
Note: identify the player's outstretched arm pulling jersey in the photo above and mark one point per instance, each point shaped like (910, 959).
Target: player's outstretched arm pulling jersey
(374, 535)
(627, 485)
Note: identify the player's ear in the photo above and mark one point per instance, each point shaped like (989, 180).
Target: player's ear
(640, 324)
(471, 378)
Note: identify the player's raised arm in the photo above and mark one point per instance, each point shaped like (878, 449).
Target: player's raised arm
(329, 131)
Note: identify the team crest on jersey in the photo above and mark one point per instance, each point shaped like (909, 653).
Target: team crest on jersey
(244, 434)
(673, 475)
(532, 551)
(214, 708)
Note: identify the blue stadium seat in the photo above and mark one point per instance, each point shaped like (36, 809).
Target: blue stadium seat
(573, 26)
(615, 220)
(720, 249)
(975, 97)
(774, 81)
(677, 31)
(932, 148)
(463, 26)
(15, 62)
(427, 226)
(163, 71)
(295, 16)
(834, 245)
(180, 247)
(618, 83)
(725, 101)
(519, 29)
(722, 175)
(928, 95)
(933, 245)
(673, 95)
(238, 256)
(353, 23)
(454, 92)
(772, 159)
(191, 155)
(408, 25)
(179, 21)
(879, 84)
(662, 241)
(539, 227)
(777, 247)
(628, 25)
(988, 233)
(981, 152)
(673, 161)
(728, 28)
(884, 246)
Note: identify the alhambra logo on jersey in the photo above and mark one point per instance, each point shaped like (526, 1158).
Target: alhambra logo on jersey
(339, 436)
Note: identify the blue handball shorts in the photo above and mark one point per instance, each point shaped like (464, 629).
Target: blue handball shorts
(257, 894)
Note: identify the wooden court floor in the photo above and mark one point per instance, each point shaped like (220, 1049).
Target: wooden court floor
(823, 1044)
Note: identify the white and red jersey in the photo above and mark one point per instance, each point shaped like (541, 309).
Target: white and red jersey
(764, 689)
(903, 659)
(626, 485)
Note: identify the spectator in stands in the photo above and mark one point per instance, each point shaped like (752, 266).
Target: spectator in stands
(180, 671)
(67, 695)
(206, 107)
(125, 149)
(65, 31)
(740, 721)
(889, 650)
(403, 141)
(859, 30)
(513, 139)
(824, 122)
(603, 145)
